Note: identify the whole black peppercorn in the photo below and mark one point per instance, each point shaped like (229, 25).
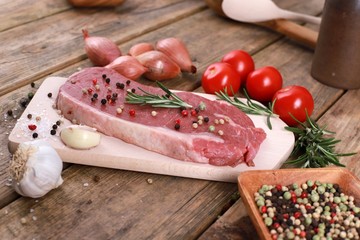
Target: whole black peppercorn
(54, 127)
(128, 82)
(107, 80)
(58, 123)
(206, 119)
(53, 132)
(104, 76)
(32, 84)
(29, 116)
(49, 95)
(10, 112)
(24, 102)
(30, 95)
(103, 101)
(95, 95)
(35, 135)
(177, 126)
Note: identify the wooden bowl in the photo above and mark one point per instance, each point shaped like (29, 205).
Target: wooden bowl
(250, 182)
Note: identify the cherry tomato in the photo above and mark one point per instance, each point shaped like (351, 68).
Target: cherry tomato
(241, 61)
(263, 83)
(294, 100)
(219, 76)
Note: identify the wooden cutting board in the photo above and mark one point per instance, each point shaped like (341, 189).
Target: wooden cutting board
(114, 153)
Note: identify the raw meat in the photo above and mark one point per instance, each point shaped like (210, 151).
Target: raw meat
(220, 134)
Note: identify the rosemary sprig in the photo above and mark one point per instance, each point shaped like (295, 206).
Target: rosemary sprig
(249, 107)
(168, 100)
(312, 149)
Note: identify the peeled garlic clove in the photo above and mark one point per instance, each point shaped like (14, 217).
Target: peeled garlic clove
(160, 67)
(80, 137)
(100, 50)
(140, 48)
(175, 49)
(35, 169)
(128, 66)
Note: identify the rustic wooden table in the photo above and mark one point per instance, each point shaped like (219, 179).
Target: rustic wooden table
(43, 38)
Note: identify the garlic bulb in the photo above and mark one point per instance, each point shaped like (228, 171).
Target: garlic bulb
(80, 137)
(35, 169)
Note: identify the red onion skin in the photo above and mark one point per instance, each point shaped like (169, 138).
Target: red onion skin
(160, 66)
(128, 66)
(100, 50)
(140, 48)
(175, 49)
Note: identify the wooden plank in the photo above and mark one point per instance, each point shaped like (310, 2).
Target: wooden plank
(116, 204)
(16, 13)
(57, 41)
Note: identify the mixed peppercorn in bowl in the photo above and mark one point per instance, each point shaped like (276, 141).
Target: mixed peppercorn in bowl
(302, 203)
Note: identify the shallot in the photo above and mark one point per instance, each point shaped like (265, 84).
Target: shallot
(160, 66)
(128, 66)
(100, 50)
(175, 49)
(140, 48)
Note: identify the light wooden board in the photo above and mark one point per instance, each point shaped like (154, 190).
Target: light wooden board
(114, 153)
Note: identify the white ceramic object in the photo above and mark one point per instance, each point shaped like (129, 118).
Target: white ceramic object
(262, 10)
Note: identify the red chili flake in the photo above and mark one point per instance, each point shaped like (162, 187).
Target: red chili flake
(69, 112)
(263, 209)
(32, 127)
(90, 90)
(332, 221)
(132, 112)
(94, 81)
(278, 187)
(193, 112)
(177, 121)
(184, 113)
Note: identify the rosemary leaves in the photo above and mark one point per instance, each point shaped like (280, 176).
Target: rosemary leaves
(168, 100)
(250, 107)
(312, 149)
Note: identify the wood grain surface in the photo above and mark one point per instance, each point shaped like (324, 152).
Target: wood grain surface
(101, 203)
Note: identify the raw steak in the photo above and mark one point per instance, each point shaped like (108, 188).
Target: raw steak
(220, 134)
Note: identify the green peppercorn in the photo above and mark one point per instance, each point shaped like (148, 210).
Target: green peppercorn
(287, 195)
(337, 199)
(310, 183)
(321, 189)
(314, 197)
(268, 221)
